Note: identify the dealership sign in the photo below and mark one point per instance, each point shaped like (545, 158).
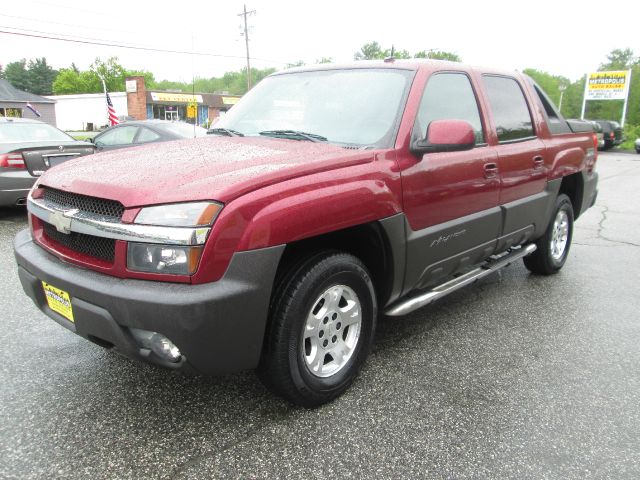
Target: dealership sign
(612, 85)
(607, 85)
(175, 97)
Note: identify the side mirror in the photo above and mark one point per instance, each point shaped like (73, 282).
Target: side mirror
(446, 136)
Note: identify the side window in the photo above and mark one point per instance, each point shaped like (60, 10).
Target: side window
(555, 122)
(449, 96)
(509, 107)
(119, 136)
(147, 135)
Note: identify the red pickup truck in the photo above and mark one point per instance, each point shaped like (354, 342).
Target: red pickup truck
(328, 196)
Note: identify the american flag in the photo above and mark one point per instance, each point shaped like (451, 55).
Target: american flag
(111, 112)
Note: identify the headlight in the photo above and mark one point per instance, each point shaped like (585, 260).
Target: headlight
(196, 214)
(169, 259)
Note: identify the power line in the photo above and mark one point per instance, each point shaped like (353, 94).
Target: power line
(106, 43)
(51, 22)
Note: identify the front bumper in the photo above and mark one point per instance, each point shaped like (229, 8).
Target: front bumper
(218, 327)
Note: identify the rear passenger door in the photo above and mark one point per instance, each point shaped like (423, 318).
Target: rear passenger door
(521, 157)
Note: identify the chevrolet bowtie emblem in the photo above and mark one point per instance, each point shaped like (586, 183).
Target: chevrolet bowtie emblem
(62, 220)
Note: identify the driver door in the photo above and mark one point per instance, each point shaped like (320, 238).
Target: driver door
(450, 199)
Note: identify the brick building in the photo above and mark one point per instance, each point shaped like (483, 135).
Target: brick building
(199, 108)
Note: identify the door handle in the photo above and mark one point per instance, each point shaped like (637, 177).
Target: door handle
(490, 170)
(538, 161)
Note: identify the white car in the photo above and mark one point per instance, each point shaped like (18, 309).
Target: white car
(637, 145)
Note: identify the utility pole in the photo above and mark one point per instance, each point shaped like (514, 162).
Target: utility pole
(246, 41)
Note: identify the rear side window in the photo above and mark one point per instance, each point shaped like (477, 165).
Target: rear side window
(449, 96)
(510, 111)
(118, 136)
(147, 135)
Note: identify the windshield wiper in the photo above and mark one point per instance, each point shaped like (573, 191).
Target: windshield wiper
(225, 131)
(294, 135)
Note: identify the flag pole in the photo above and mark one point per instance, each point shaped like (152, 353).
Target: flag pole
(104, 87)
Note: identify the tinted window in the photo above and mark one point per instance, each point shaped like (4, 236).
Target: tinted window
(555, 122)
(449, 96)
(509, 107)
(118, 136)
(147, 135)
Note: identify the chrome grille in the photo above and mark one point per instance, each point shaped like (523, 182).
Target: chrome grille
(97, 247)
(108, 210)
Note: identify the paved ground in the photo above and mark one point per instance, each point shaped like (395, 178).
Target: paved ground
(515, 377)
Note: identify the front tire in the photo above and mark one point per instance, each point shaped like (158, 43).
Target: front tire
(553, 246)
(322, 324)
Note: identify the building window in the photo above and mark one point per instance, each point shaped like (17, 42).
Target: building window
(11, 112)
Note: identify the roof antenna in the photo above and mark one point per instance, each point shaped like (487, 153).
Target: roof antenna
(391, 56)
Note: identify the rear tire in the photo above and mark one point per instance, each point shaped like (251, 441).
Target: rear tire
(553, 246)
(322, 323)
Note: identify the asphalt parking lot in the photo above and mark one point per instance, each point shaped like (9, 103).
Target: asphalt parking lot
(516, 376)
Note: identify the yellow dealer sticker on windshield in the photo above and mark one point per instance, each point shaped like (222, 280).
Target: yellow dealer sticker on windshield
(58, 300)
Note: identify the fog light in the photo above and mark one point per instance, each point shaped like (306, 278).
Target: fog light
(158, 344)
(164, 348)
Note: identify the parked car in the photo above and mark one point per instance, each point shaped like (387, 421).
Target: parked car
(613, 133)
(599, 134)
(138, 132)
(327, 196)
(27, 149)
(637, 145)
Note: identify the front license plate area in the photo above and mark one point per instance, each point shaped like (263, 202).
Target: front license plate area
(58, 300)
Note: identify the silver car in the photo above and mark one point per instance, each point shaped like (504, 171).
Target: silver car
(637, 145)
(28, 148)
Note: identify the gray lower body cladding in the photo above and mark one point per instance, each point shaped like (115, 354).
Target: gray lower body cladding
(435, 253)
(219, 327)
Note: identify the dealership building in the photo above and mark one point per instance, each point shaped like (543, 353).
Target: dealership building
(198, 108)
(89, 111)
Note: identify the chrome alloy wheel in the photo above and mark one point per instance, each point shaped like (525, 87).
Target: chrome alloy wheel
(559, 235)
(331, 331)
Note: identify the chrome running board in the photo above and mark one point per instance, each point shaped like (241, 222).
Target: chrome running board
(405, 306)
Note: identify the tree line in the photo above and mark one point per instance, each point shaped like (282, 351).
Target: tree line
(36, 76)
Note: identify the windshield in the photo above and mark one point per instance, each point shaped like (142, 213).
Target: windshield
(185, 130)
(351, 107)
(31, 132)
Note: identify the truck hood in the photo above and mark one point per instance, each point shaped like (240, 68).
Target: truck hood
(207, 168)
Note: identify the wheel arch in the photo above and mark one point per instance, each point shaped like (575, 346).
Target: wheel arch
(379, 245)
(573, 187)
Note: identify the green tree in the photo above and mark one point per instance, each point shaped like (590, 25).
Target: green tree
(234, 83)
(71, 80)
(297, 63)
(369, 51)
(41, 76)
(438, 55)
(67, 82)
(551, 85)
(320, 60)
(17, 75)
